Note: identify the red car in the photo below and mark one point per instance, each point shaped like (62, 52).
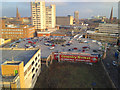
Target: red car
(30, 42)
(28, 39)
(85, 47)
(75, 48)
(53, 45)
(83, 50)
(34, 42)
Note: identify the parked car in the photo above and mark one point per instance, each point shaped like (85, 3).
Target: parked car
(68, 44)
(51, 48)
(69, 49)
(94, 50)
(75, 48)
(47, 44)
(30, 42)
(114, 63)
(30, 47)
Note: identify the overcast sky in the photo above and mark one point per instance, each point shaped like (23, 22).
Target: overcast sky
(86, 9)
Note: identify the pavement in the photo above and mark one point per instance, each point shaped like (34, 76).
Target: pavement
(112, 70)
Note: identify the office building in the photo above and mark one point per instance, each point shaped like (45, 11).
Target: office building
(20, 67)
(43, 17)
(108, 28)
(62, 20)
(17, 31)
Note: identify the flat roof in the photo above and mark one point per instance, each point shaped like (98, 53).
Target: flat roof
(17, 55)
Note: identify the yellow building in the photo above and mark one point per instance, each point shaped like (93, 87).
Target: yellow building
(1, 41)
(21, 67)
(4, 41)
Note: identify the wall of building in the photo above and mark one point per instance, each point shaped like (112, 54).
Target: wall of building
(108, 28)
(27, 74)
(1, 41)
(32, 69)
(9, 70)
(16, 33)
(50, 16)
(64, 20)
(38, 20)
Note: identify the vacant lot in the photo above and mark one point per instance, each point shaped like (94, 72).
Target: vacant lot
(73, 75)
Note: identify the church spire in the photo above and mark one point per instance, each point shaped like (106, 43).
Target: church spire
(111, 15)
(17, 14)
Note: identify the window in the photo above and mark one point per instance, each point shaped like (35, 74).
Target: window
(36, 70)
(32, 62)
(25, 72)
(29, 67)
(33, 76)
(38, 55)
(36, 64)
(35, 58)
(33, 69)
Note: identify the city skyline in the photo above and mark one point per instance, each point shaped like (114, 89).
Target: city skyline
(86, 9)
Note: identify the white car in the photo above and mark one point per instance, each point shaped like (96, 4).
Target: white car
(51, 48)
(114, 63)
(30, 47)
(85, 41)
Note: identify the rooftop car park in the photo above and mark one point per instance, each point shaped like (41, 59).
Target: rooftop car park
(51, 44)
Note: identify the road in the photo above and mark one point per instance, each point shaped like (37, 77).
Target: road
(112, 70)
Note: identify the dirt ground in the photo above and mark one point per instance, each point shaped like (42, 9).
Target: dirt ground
(73, 75)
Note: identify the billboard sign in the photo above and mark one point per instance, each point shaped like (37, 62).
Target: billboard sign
(78, 58)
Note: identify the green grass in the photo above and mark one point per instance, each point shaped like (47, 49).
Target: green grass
(73, 75)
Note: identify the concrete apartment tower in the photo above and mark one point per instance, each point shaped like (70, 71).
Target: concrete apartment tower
(38, 14)
(76, 17)
(43, 17)
(51, 16)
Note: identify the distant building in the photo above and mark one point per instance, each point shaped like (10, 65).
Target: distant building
(12, 31)
(108, 28)
(43, 17)
(111, 14)
(17, 14)
(98, 17)
(119, 10)
(76, 16)
(62, 20)
(40, 34)
(21, 68)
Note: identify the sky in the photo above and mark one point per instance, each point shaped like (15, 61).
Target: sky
(86, 9)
